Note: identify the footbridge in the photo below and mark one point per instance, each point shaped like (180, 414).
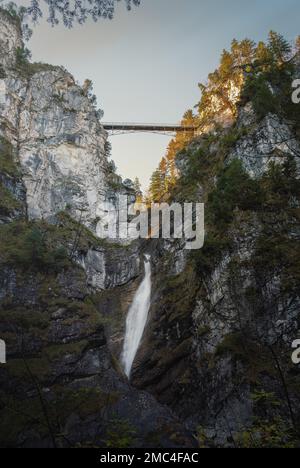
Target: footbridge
(119, 128)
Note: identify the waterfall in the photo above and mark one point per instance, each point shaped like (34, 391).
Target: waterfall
(136, 319)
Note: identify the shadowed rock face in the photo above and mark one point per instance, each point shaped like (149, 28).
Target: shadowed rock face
(221, 327)
(64, 348)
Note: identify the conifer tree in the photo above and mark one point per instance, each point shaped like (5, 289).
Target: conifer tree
(297, 45)
(156, 186)
(138, 190)
(263, 56)
(279, 47)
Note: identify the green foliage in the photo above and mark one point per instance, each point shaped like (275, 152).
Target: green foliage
(24, 245)
(17, 418)
(2, 73)
(68, 14)
(263, 398)
(157, 185)
(200, 168)
(44, 247)
(14, 418)
(8, 203)
(9, 169)
(119, 434)
(202, 438)
(22, 56)
(203, 331)
(258, 90)
(235, 344)
(280, 48)
(269, 87)
(8, 164)
(27, 69)
(276, 250)
(268, 433)
(281, 185)
(231, 138)
(235, 189)
(213, 250)
(84, 402)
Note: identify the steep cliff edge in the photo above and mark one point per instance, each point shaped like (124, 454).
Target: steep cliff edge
(53, 125)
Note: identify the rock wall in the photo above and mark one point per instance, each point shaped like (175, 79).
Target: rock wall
(272, 139)
(59, 144)
(54, 126)
(217, 349)
(83, 399)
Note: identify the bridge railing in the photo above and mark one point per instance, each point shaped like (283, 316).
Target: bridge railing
(132, 126)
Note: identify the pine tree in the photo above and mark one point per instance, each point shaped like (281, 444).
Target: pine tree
(243, 52)
(279, 47)
(263, 56)
(138, 190)
(297, 45)
(156, 186)
(137, 185)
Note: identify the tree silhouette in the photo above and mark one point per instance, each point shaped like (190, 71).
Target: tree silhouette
(69, 12)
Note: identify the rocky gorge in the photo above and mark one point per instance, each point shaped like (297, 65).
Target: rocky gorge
(214, 366)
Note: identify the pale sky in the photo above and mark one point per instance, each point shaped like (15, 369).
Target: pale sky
(146, 64)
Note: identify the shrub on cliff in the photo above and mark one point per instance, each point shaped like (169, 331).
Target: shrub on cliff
(8, 165)
(24, 245)
(235, 189)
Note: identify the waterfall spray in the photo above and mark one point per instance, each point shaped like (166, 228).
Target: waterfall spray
(136, 319)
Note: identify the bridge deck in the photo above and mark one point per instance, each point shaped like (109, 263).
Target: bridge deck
(141, 127)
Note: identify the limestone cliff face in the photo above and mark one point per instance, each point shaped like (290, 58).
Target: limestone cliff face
(271, 140)
(59, 140)
(53, 128)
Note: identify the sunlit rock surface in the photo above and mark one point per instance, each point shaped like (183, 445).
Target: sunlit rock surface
(60, 144)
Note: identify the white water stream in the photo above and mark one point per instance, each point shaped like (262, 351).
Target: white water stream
(136, 319)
